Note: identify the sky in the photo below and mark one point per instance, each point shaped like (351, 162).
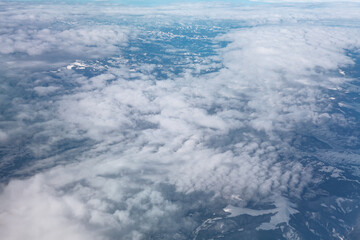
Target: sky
(136, 121)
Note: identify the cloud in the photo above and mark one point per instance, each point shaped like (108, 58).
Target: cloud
(3, 136)
(45, 90)
(85, 41)
(44, 215)
(116, 151)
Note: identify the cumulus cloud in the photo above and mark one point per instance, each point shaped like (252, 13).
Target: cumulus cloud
(119, 152)
(44, 215)
(45, 90)
(91, 42)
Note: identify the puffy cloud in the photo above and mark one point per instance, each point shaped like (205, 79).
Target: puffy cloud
(121, 153)
(44, 215)
(45, 90)
(92, 42)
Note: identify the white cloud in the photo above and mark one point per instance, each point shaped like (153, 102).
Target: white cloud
(91, 42)
(224, 132)
(45, 90)
(44, 214)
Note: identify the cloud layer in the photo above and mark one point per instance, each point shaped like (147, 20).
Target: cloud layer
(115, 150)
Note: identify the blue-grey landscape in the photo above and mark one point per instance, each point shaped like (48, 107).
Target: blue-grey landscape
(161, 120)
